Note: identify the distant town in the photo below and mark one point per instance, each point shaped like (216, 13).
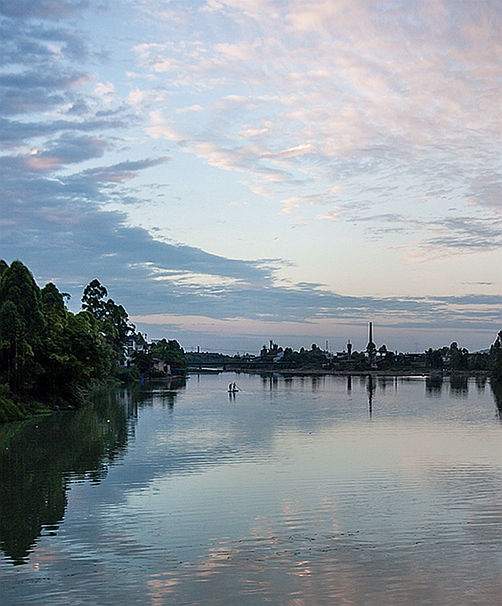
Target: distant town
(276, 358)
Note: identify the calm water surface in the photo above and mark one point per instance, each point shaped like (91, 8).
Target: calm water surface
(303, 491)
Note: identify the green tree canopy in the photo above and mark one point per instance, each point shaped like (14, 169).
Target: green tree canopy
(48, 353)
(170, 352)
(22, 327)
(112, 318)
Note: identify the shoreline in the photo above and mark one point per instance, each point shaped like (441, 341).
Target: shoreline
(345, 373)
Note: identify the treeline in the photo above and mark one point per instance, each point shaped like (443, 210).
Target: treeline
(453, 359)
(49, 356)
(449, 358)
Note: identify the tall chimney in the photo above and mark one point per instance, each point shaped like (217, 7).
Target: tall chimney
(371, 333)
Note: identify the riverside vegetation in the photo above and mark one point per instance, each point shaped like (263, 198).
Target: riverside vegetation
(51, 358)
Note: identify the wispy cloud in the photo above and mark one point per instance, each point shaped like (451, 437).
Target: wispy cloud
(346, 88)
(383, 119)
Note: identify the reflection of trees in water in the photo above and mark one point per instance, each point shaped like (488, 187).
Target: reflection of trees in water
(480, 382)
(459, 385)
(386, 381)
(434, 384)
(497, 395)
(162, 390)
(274, 381)
(39, 458)
(270, 381)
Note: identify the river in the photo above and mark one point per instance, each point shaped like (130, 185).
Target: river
(294, 491)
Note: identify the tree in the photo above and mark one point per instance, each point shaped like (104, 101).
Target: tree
(170, 352)
(53, 305)
(458, 357)
(22, 327)
(112, 318)
(93, 299)
(11, 342)
(53, 356)
(89, 355)
(496, 356)
(116, 326)
(142, 360)
(371, 351)
(48, 353)
(382, 350)
(434, 358)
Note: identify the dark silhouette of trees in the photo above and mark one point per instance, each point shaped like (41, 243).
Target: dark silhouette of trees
(496, 360)
(48, 354)
(434, 358)
(22, 327)
(458, 357)
(93, 299)
(455, 358)
(371, 351)
(382, 350)
(112, 318)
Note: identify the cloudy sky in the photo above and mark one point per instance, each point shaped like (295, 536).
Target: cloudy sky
(244, 170)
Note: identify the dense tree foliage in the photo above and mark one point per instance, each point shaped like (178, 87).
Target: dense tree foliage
(47, 354)
(455, 358)
(51, 356)
(305, 358)
(170, 352)
(166, 352)
(496, 357)
(112, 318)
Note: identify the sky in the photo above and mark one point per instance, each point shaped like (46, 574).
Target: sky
(245, 170)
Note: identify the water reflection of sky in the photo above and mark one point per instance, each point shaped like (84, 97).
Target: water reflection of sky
(290, 491)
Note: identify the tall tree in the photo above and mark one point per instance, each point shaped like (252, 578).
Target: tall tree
(458, 357)
(112, 318)
(496, 356)
(93, 299)
(22, 326)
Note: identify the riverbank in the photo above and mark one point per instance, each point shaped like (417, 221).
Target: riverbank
(17, 409)
(343, 373)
